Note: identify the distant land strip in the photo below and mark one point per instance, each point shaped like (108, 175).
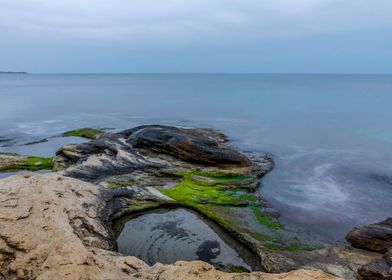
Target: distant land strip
(12, 72)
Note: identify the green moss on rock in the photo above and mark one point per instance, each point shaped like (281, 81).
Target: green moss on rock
(194, 191)
(89, 133)
(31, 163)
(264, 219)
(140, 205)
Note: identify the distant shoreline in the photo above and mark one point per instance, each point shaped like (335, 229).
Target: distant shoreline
(11, 72)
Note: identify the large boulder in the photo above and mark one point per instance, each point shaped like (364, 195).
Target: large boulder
(147, 147)
(375, 237)
(187, 144)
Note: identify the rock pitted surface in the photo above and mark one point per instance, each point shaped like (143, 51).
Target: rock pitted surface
(53, 227)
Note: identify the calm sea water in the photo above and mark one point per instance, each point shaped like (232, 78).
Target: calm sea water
(329, 134)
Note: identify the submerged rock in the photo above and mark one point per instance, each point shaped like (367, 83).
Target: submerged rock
(44, 140)
(375, 237)
(89, 133)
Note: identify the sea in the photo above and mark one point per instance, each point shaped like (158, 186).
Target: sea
(329, 135)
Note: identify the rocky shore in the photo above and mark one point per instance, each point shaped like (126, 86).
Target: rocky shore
(61, 225)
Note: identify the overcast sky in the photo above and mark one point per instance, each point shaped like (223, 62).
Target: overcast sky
(239, 36)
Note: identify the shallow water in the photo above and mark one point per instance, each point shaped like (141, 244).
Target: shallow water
(170, 236)
(329, 134)
(45, 149)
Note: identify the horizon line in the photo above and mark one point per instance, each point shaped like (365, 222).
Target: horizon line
(188, 73)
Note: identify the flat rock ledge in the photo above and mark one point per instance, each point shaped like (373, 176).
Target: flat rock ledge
(53, 227)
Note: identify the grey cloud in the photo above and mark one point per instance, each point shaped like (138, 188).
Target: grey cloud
(181, 19)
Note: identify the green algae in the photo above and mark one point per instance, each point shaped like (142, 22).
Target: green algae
(112, 186)
(264, 219)
(44, 140)
(237, 269)
(248, 197)
(224, 205)
(291, 246)
(31, 164)
(89, 133)
(193, 194)
(191, 191)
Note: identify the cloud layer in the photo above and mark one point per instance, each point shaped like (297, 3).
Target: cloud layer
(183, 23)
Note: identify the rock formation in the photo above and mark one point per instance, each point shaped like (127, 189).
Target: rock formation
(60, 225)
(53, 227)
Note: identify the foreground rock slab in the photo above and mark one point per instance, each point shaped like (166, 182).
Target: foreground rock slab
(54, 227)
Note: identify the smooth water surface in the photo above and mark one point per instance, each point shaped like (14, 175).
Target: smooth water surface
(329, 134)
(175, 235)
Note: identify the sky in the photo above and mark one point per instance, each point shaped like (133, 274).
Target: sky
(196, 36)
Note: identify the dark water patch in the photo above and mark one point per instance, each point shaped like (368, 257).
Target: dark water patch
(167, 236)
(208, 250)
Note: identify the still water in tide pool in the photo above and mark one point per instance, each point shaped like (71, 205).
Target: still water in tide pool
(176, 235)
(329, 134)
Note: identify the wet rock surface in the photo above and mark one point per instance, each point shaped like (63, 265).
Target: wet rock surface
(376, 270)
(189, 145)
(7, 159)
(376, 237)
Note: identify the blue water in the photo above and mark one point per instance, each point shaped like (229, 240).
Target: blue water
(329, 134)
